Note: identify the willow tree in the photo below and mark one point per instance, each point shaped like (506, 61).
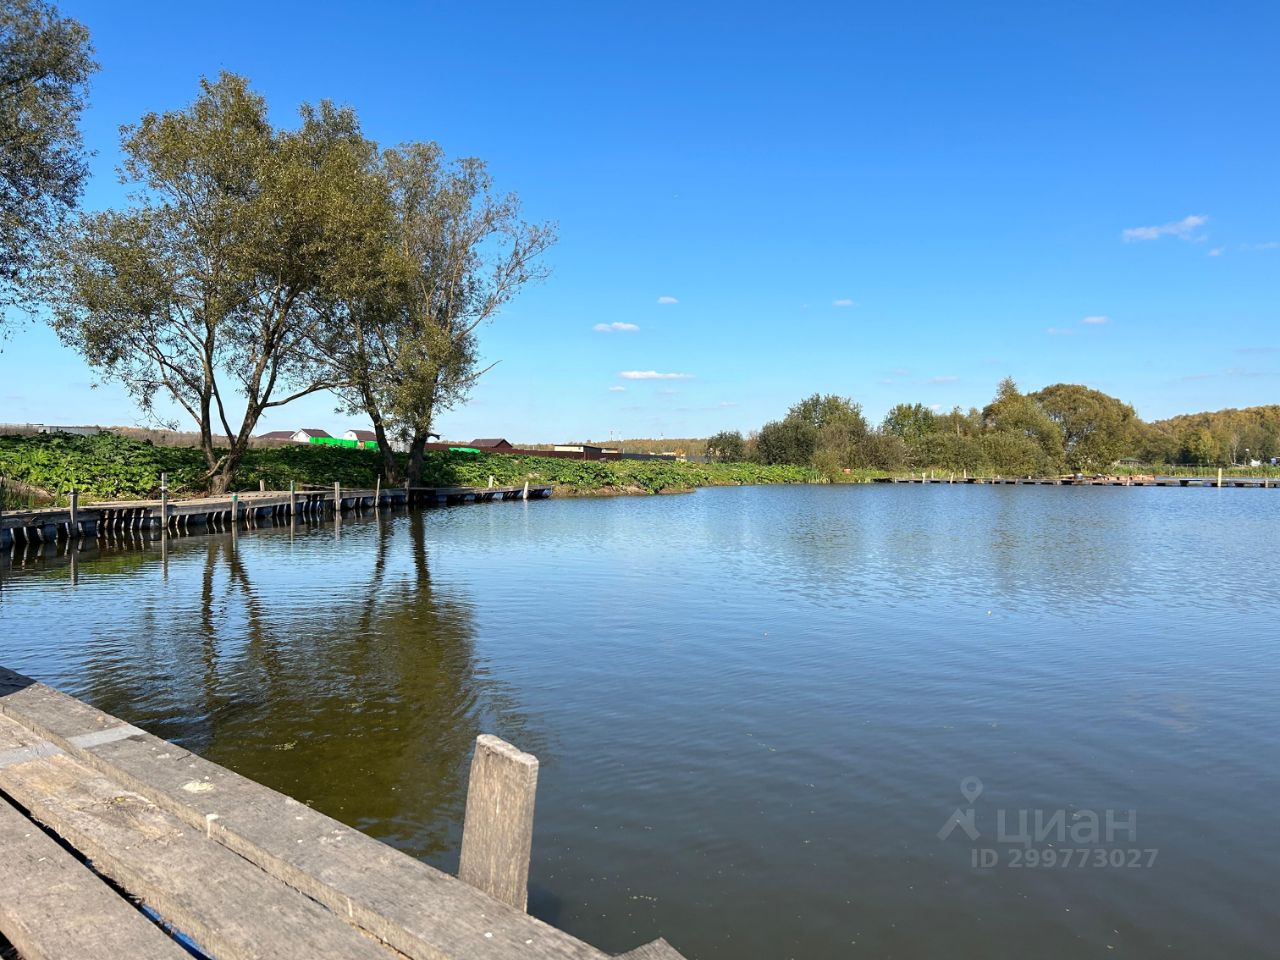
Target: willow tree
(459, 253)
(45, 62)
(219, 289)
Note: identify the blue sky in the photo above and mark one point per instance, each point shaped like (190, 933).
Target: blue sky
(895, 202)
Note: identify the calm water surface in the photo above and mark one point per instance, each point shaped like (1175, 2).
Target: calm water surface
(754, 707)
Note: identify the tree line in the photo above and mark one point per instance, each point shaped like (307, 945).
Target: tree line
(1061, 428)
(252, 264)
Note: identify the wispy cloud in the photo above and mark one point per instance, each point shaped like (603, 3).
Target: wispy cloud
(667, 301)
(1093, 320)
(1183, 229)
(842, 303)
(1269, 245)
(619, 327)
(943, 379)
(617, 389)
(1216, 252)
(653, 375)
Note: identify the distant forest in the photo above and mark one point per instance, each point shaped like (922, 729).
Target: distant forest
(1061, 428)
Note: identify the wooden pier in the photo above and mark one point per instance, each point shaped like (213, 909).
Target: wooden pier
(21, 527)
(119, 844)
(1256, 482)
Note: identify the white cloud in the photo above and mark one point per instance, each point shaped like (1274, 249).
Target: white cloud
(842, 303)
(667, 301)
(1215, 252)
(617, 389)
(1096, 321)
(943, 379)
(611, 327)
(653, 375)
(1182, 229)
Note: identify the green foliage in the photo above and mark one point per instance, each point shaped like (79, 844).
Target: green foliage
(910, 421)
(727, 446)
(45, 63)
(1096, 429)
(107, 466)
(221, 275)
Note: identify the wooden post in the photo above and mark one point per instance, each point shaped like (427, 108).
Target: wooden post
(377, 492)
(262, 485)
(525, 494)
(164, 501)
(1219, 477)
(491, 481)
(337, 498)
(73, 526)
(497, 833)
(235, 515)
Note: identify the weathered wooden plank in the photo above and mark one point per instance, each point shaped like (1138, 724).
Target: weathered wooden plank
(657, 950)
(421, 911)
(52, 907)
(497, 834)
(230, 907)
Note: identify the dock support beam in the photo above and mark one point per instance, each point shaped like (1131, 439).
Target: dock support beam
(497, 833)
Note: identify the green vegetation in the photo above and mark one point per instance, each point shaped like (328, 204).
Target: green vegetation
(262, 263)
(1061, 428)
(45, 64)
(108, 466)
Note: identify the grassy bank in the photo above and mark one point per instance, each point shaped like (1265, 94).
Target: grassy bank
(107, 466)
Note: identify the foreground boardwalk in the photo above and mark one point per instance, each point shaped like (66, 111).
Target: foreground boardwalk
(196, 854)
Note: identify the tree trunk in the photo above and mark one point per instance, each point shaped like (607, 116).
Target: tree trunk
(206, 429)
(416, 449)
(389, 465)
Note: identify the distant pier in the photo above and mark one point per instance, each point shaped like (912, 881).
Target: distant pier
(1259, 482)
(23, 527)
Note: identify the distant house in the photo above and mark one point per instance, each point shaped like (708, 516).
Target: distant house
(79, 431)
(585, 448)
(296, 436)
(361, 436)
(492, 443)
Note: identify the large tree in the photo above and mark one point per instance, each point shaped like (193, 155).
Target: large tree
(1097, 429)
(45, 63)
(220, 287)
(459, 253)
(727, 446)
(1021, 417)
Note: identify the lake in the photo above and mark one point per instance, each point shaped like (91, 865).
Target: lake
(759, 710)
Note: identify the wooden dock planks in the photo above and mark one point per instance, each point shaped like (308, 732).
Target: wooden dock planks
(53, 907)
(195, 883)
(124, 793)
